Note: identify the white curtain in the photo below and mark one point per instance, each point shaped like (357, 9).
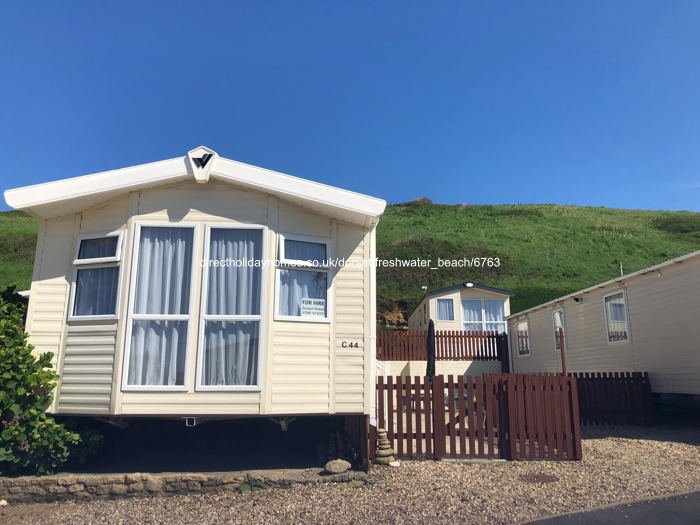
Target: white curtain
(231, 353)
(471, 315)
(314, 252)
(231, 346)
(234, 289)
(96, 291)
(298, 284)
(494, 312)
(445, 310)
(157, 355)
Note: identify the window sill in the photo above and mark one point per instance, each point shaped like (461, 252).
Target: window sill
(293, 319)
(153, 388)
(93, 318)
(230, 388)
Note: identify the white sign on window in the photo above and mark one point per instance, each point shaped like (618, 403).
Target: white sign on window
(313, 307)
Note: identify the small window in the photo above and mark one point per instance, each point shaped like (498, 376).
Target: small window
(445, 310)
(98, 249)
(616, 317)
(523, 338)
(558, 321)
(303, 253)
(96, 284)
(302, 279)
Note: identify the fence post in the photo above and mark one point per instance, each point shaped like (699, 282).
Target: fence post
(502, 352)
(575, 421)
(438, 391)
(508, 422)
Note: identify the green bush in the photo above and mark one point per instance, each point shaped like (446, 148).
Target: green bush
(30, 440)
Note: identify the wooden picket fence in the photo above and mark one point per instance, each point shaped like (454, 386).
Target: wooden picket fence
(614, 398)
(450, 345)
(510, 416)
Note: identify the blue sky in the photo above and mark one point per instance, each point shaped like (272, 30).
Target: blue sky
(590, 103)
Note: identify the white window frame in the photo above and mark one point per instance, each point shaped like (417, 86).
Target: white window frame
(437, 309)
(131, 316)
(96, 262)
(292, 264)
(526, 322)
(483, 321)
(607, 320)
(100, 260)
(297, 263)
(555, 330)
(203, 316)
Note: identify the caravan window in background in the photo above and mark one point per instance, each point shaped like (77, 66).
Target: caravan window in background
(484, 315)
(558, 320)
(445, 310)
(523, 338)
(616, 317)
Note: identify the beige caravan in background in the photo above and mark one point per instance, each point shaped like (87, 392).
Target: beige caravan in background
(646, 321)
(200, 286)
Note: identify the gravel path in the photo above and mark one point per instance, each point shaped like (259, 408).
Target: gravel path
(645, 463)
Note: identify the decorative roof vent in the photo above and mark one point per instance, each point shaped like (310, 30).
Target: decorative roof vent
(201, 160)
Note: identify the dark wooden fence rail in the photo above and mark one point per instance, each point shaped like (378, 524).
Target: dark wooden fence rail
(614, 398)
(450, 345)
(511, 416)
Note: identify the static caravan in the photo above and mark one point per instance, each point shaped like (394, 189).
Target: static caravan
(203, 287)
(646, 321)
(466, 306)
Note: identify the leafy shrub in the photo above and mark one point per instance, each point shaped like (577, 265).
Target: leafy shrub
(30, 440)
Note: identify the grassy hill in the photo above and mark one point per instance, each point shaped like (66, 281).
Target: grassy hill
(545, 250)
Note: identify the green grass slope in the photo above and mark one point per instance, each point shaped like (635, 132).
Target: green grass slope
(545, 250)
(17, 244)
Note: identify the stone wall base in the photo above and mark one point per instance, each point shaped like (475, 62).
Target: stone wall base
(27, 489)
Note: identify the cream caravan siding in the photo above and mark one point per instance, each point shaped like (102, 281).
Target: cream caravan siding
(664, 313)
(304, 368)
(664, 328)
(88, 348)
(351, 302)
(50, 286)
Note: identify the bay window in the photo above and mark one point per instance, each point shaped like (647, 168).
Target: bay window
(161, 307)
(230, 340)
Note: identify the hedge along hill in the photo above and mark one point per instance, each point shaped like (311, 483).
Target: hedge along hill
(545, 251)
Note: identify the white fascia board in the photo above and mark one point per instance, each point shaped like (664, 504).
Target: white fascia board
(295, 187)
(32, 198)
(41, 199)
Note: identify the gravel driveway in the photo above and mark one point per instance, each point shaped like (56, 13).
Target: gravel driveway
(644, 463)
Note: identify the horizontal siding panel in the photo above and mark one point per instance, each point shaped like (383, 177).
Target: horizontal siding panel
(85, 400)
(87, 372)
(88, 389)
(319, 390)
(349, 408)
